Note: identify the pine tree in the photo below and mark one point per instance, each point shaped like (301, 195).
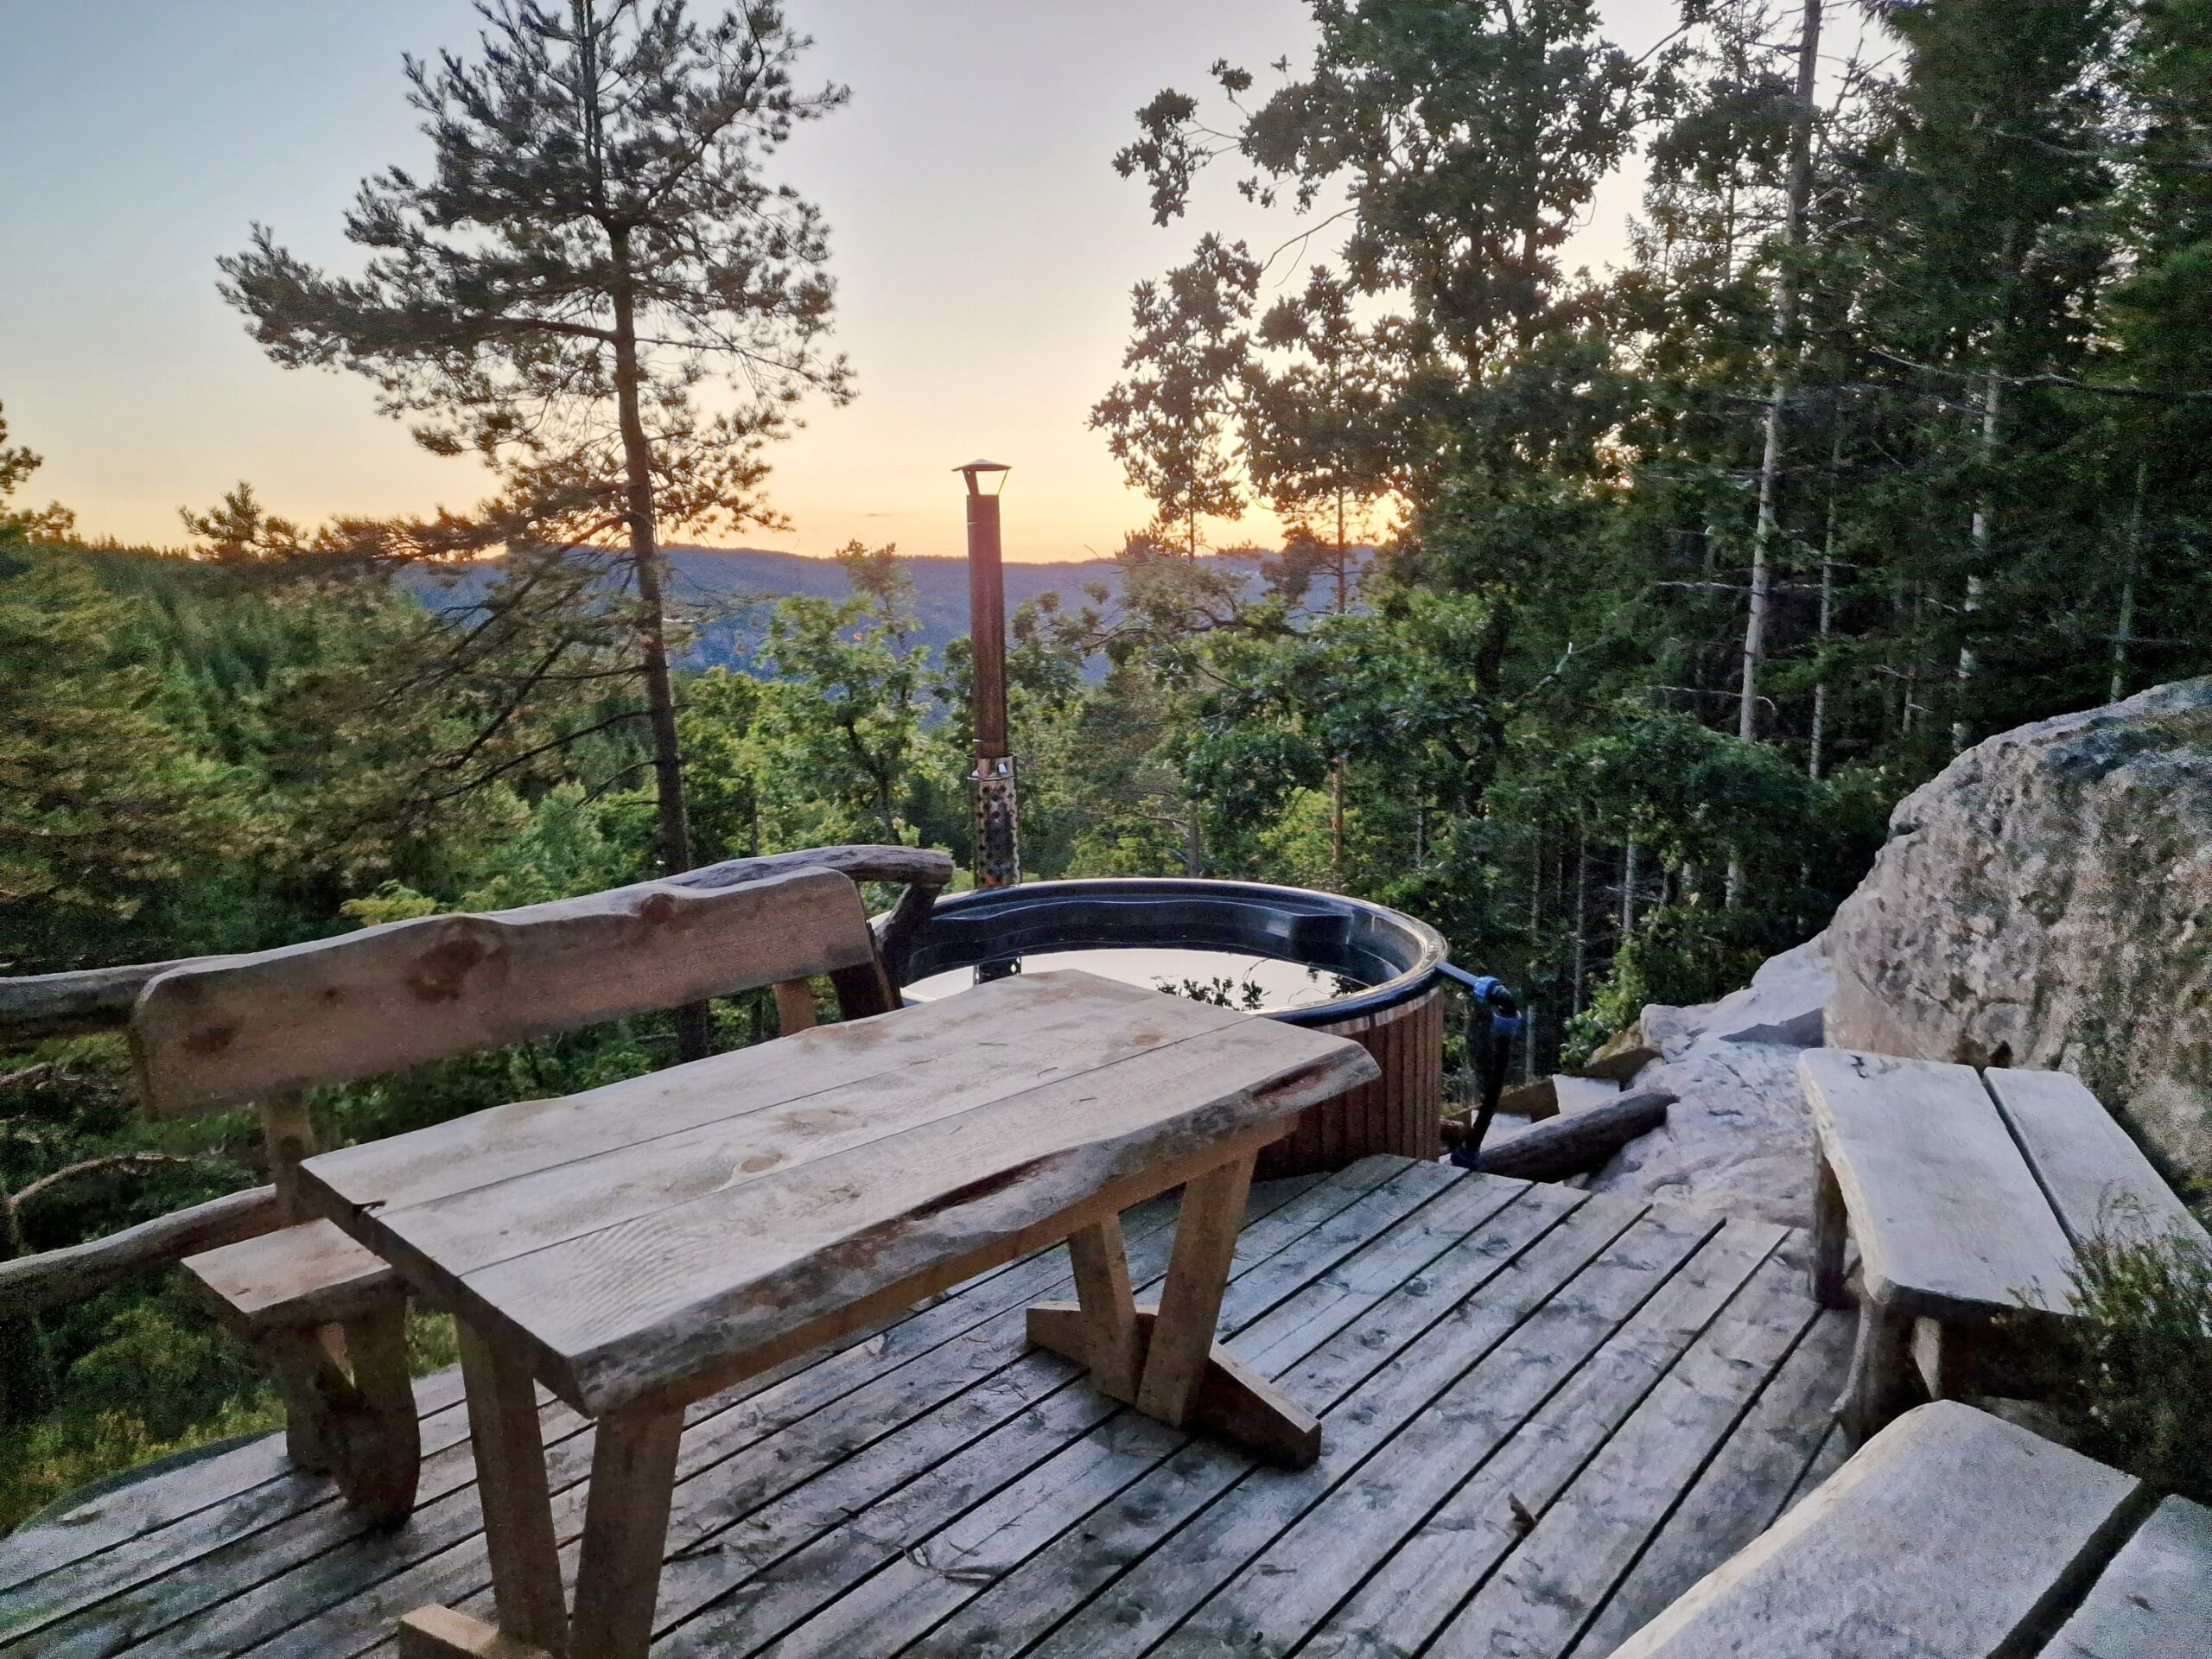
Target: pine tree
(594, 242)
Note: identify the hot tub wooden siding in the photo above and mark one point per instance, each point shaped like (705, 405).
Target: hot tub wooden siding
(1395, 1115)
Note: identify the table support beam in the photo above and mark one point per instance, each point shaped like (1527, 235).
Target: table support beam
(1116, 1343)
(1190, 1302)
(1164, 1360)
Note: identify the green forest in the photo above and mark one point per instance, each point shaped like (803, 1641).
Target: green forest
(1620, 607)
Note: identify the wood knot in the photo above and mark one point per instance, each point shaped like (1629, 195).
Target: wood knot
(441, 974)
(659, 908)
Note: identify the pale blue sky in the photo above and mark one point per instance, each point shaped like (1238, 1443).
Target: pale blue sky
(983, 246)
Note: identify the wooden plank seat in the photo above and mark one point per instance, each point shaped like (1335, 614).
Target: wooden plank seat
(349, 1405)
(1968, 1195)
(1952, 1534)
(641, 1246)
(213, 1034)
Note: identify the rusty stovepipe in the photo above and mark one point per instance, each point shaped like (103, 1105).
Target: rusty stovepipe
(998, 846)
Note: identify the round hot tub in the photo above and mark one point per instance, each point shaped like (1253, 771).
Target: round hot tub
(1315, 959)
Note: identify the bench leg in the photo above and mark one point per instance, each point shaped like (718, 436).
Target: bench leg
(360, 1430)
(1830, 1226)
(306, 1376)
(1874, 1392)
(626, 1529)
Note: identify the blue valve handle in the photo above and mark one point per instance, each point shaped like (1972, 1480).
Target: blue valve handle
(1502, 1020)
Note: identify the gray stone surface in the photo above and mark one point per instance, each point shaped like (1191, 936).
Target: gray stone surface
(1739, 1138)
(2046, 902)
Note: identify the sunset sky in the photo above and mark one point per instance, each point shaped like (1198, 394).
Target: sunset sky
(983, 248)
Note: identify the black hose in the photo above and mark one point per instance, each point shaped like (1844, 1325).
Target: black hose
(1496, 1022)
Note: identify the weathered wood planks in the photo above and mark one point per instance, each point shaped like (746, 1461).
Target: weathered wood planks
(307, 1274)
(2155, 1600)
(933, 1489)
(632, 1270)
(38, 1006)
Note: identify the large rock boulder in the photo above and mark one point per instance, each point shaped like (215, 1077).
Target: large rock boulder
(2047, 901)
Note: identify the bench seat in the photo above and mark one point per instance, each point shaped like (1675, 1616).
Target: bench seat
(1950, 1534)
(330, 1316)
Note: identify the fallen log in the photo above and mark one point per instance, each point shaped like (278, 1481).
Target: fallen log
(1569, 1145)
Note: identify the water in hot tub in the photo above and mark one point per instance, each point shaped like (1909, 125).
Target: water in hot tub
(1231, 979)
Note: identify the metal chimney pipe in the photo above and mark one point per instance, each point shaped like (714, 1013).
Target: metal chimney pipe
(998, 845)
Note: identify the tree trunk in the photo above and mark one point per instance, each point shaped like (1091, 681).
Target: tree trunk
(673, 821)
(1981, 535)
(2124, 627)
(1581, 921)
(1827, 614)
(1785, 323)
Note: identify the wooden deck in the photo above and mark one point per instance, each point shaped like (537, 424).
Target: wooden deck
(1546, 1414)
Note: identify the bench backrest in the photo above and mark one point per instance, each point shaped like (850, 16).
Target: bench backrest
(213, 1036)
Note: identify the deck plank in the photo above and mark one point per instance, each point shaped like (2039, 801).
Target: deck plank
(1523, 1430)
(1404, 1349)
(1626, 1374)
(877, 1537)
(1560, 1575)
(1743, 1490)
(1547, 1336)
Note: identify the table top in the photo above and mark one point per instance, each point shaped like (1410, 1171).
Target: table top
(637, 1235)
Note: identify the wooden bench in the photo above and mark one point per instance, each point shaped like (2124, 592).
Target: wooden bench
(1953, 1535)
(1968, 1194)
(327, 1315)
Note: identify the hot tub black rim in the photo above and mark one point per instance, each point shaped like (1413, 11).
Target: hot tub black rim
(1431, 954)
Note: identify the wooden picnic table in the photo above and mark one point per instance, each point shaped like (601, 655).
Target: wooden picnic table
(639, 1246)
(1969, 1194)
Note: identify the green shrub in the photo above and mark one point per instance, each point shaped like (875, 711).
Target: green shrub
(2140, 1388)
(1682, 955)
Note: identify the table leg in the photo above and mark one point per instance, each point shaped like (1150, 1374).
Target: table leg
(1176, 1370)
(1830, 1225)
(1108, 1310)
(1190, 1303)
(626, 1529)
(510, 1485)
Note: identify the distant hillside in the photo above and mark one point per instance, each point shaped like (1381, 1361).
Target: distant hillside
(729, 591)
(714, 579)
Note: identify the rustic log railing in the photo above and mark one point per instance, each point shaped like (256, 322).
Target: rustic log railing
(41, 1005)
